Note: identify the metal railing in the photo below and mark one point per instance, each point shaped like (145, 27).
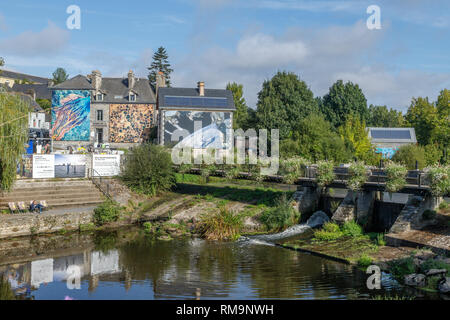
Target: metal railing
(97, 179)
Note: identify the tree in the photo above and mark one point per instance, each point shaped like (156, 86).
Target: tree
(442, 131)
(45, 104)
(60, 75)
(423, 116)
(409, 154)
(2, 62)
(381, 116)
(314, 138)
(160, 63)
(13, 136)
(240, 116)
(355, 136)
(344, 100)
(283, 101)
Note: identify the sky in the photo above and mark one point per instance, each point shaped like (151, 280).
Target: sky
(243, 41)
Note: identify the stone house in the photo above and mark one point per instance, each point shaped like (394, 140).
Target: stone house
(117, 111)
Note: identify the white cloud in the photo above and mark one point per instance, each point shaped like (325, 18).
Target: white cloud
(319, 57)
(50, 40)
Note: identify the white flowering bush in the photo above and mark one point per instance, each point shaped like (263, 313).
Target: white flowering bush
(359, 175)
(325, 173)
(292, 168)
(395, 176)
(439, 177)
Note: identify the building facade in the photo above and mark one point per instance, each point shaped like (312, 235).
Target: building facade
(198, 118)
(93, 110)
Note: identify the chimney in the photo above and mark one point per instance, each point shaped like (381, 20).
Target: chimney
(131, 79)
(201, 88)
(96, 79)
(160, 80)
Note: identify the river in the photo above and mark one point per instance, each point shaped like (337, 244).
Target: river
(128, 264)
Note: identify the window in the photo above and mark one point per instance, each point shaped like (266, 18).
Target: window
(99, 115)
(132, 97)
(99, 96)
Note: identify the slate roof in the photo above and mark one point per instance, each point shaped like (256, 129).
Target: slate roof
(22, 76)
(115, 90)
(403, 135)
(193, 92)
(42, 91)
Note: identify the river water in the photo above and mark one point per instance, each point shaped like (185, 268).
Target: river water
(127, 264)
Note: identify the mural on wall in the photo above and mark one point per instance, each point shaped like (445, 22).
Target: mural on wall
(386, 153)
(206, 129)
(70, 115)
(130, 123)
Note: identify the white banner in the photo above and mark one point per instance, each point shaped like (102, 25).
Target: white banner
(43, 166)
(106, 165)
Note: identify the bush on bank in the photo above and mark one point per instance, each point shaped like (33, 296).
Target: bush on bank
(224, 224)
(280, 217)
(108, 211)
(149, 170)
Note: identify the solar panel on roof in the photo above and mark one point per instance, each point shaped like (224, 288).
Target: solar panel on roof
(195, 101)
(390, 134)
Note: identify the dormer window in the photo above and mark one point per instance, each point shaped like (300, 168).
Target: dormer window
(132, 97)
(99, 96)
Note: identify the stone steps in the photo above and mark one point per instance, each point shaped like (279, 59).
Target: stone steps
(57, 194)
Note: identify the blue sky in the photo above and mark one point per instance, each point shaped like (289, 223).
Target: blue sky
(219, 41)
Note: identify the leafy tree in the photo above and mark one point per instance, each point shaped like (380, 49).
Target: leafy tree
(149, 170)
(423, 116)
(60, 75)
(283, 101)
(409, 154)
(342, 101)
(314, 139)
(442, 131)
(160, 63)
(355, 136)
(381, 116)
(13, 136)
(240, 117)
(2, 62)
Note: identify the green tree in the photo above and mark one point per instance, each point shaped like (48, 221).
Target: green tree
(344, 100)
(423, 116)
(240, 116)
(409, 154)
(149, 170)
(381, 116)
(442, 131)
(355, 136)
(160, 63)
(314, 139)
(13, 136)
(282, 102)
(60, 75)
(2, 62)
(45, 104)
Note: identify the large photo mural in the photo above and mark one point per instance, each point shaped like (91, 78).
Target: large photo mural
(204, 129)
(70, 115)
(130, 123)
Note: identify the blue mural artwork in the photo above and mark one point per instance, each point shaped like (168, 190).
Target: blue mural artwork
(387, 153)
(70, 115)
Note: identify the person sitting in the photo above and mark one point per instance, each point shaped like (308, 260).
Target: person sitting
(34, 206)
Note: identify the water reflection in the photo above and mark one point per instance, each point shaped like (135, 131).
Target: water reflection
(130, 265)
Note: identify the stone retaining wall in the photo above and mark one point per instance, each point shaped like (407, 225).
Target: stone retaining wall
(30, 224)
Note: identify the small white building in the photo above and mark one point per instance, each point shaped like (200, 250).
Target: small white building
(388, 140)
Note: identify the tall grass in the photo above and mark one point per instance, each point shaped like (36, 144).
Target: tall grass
(222, 225)
(281, 216)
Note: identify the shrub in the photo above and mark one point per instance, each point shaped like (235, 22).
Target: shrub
(409, 154)
(352, 229)
(148, 227)
(395, 177)
(292, 168)
(108, 211)
(329, 232)
(325, 173)
(380, 239)
(149, 170)
(439, 179)
(364, 261)
(429, 214)
(443, 205)
(206, 171)
(434, 264)
(281, 216)
(359, 176)
(222, 225)
(232, 172)
(400, 268)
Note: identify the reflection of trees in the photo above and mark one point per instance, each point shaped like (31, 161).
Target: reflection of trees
(5, 290)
